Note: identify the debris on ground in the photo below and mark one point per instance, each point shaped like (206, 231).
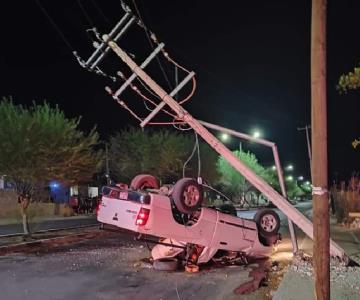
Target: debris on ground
(257, 275)
(355, 224)
(345, 276)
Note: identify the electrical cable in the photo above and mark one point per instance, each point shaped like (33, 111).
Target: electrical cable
(123, 104)
(151, 44)
(146, 88)
(182, 128)
(87, 16)
(215, 190)
(166, 123)
(199, 158)
(167, 56)
(97, 7)
(152, 39)
(65, 40)
(149, 100)
(192, 153)
(137, 90)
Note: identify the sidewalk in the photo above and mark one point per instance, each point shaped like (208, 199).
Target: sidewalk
(298, 281)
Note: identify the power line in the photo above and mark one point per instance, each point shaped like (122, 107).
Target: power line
(61, 34)
(97, 7)
(151, 43)
(87, 16)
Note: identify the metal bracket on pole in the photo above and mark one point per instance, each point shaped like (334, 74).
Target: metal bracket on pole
(117, 37)
(103, 49)
(162, 104)
(142, 66)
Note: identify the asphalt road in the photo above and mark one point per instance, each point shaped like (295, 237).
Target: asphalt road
(110, 267)
(49, 224)
(303, 207)
(115, 267)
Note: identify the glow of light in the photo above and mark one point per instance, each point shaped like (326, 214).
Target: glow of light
(307, 182)
(282, 256)
(273, 168)
(301, 178)
(290, 167)
(256, 134)
(289, 178)
(225, 137)
(54, 185)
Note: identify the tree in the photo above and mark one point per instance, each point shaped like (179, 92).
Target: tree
(233, 182)
(39, 144)
(161, 153)
(349, 81)
(293, 190)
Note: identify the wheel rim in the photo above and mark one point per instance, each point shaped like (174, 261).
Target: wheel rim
(268, 223)
(191, 195)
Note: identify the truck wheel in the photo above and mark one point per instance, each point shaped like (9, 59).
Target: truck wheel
(268, 222)
(144, 181)
(187, 195)
(165, 264)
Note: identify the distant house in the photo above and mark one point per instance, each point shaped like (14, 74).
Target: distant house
(2, 183)
(5, 184)
(61, 194)
(58, 192)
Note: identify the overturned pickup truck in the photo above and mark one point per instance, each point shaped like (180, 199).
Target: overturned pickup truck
(189, 230)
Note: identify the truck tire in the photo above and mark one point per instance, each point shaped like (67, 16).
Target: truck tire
(268, 222)
(187, 195)
(144, 181)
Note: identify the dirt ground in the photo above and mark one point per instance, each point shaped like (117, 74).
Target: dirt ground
(113, 266)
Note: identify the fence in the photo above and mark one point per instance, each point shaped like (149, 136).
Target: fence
(346, 199)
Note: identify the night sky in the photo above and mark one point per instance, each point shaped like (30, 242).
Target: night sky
(252, 60)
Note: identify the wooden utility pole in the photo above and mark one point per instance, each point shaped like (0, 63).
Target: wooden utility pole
(319, 151)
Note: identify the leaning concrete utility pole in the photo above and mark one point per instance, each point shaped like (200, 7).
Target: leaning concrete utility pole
(319, 151)
(290, 211)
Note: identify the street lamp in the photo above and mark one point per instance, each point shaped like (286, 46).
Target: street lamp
(225, 137)
(290, 178)
(273, 168)
(300, 178)
(256, 134)
(289, 167)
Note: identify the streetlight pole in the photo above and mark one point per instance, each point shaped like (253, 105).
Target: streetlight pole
(107, 169)
(306, 128)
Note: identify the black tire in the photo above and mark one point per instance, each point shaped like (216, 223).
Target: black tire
(165, 264)
(187, 195)
(144, 181)
(268, 222)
